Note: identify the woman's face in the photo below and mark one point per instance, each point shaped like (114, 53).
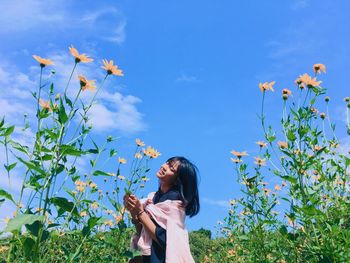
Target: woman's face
(167, 172)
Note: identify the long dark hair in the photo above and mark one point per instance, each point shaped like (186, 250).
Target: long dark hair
(187, 181)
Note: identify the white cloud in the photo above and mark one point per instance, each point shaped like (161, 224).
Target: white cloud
(187, 78)
(26, 15)
(117, 113)
(221, 203)
(299, 4)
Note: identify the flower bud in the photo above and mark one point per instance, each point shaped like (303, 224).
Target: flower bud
(285, 96)
(326, 99)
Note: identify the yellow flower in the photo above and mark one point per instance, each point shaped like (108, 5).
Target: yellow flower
(140, 143)
(109, 223)
(145, 179)
(317, 148)
(314, 110)
(109, 212)
(151, 152)
(86, 84)
(259, 161)
(266, 191)
(278, 187)
(308, 81)
(117, 218)
(45, 104)
(3, 249)
(43, 61)
(79, 57)
(261, 144)
(111, 69)
(239, 154)
(236, 160)
(83, 213)
(80, 188)
(121, 177)
(232, 202)
(319, 67)
(282, 144)
(94, 205)
(93, 185)
(138, 155)
(266, 86)
(122, 160)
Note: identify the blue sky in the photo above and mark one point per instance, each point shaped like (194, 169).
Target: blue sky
(192, 70)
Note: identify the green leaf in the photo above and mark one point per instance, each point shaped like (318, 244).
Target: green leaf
(64, 204)
(99, 172)
(9, 167)
(5, 194)
(289, 179)
(32, 166)
(70, 150)
(8, 131)
(28, 246)
(22, 219)
(62, 116)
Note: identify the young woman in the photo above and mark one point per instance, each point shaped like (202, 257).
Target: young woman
(160, 220)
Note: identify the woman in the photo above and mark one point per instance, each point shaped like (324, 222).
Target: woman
(161, 235)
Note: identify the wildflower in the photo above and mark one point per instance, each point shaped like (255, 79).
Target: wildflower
(92, 185)
(326, 99)
(282, 144)
(319, 67)
(239, 154)
(43, 61)
(261, 144)
(259, 161)
(121, 177)
(347, 99)
(3, 249)
(314, 110)
(274, 212)
(117, 218)
(278, 187)
(308, 81)
(109, 212)
(138, 155)
(232, 202)
(236, 160)
(111, 69)
(140, 143)
(121, 160)
(108, 223)
(86, 84)
(80, 188)
(94, 205)
(45, 104)
(266, 86)
(286, 93)
(151, 152)
(322, 115)
(83, 213)
(145, 179)
(79, 57)
(317, 148)
(284, 183)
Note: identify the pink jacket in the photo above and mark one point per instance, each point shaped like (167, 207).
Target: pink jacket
(169, 215)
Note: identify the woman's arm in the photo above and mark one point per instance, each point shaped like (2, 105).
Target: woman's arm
(137, 212)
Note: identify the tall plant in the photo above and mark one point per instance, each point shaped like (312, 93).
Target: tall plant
(62, 137)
